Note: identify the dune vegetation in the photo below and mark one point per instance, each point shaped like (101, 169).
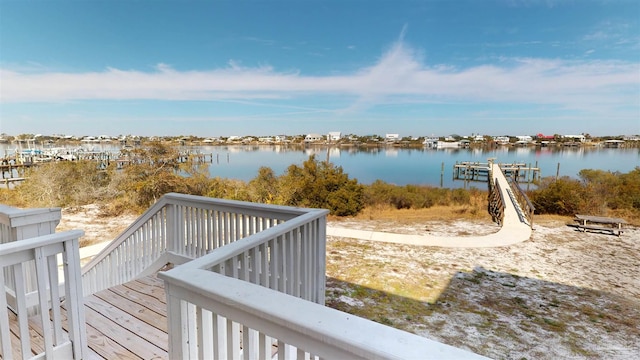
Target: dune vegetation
(158, 169)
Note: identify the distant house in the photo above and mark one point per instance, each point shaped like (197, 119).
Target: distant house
(334, 136)
(580, 138)
(392, 137)
(313, 138)
(281, 138)
(501, 140)
(523, 140)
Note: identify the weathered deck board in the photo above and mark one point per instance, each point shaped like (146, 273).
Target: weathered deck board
(125, 322)
(100, 346)
(150, 317)
(138, 297)
(153, 291)
(140, 328)
(123, 336)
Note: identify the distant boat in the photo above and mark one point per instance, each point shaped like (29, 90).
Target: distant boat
(448, 144)
(431, 142)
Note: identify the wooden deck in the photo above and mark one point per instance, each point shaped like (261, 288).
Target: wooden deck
(127, 321)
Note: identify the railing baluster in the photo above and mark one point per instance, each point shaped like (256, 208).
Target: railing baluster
(233, 339)
(246, 344)
(54, 290)
(5, 330)
(41, 275)
(205, 333)
(217, 336)
(290, 261)
(21, 307)
(264, 264)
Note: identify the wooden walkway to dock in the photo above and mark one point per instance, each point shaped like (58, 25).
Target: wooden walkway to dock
(127, 321)
(515, 227)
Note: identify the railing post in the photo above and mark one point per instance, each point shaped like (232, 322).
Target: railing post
(25, 224)
(176, 324)
(75, 304)
(20, 224)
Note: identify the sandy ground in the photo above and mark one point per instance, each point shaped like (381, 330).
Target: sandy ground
(562, 294)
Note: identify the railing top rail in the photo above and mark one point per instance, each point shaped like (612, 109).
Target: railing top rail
(40, 241)
(184, 199)
(327, 332)
(125, 234)
(240, 246)
(499, 189)
(283, 212)
(523, 195)
(19, 217)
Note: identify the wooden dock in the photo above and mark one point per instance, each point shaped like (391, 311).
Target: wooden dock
(479, 171)
(10, 171)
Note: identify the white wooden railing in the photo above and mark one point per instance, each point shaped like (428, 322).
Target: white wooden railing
(263, 297)
(50, 341)
(212, 316)
(19, 224)
(177, 229)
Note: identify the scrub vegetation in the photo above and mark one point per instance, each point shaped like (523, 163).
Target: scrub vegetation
(156, 170)
(596, 192)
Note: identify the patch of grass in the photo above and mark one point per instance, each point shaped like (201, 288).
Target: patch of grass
(437, 212)
(384, 320)
(555, 325)
(576, 348)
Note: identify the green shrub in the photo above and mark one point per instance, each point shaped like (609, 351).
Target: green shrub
(320, 185)
(563, 196)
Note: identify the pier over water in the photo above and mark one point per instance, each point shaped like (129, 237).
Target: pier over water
(508, 206)
(479, 171)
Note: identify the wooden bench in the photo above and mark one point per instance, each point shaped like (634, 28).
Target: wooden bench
(599, 223)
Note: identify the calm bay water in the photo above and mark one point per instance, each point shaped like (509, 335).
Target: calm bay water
(415, 166)
(401, 166)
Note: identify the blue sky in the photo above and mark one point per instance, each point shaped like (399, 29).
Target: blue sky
(221, 68)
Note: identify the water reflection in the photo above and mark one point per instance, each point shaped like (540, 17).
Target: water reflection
(398, 165)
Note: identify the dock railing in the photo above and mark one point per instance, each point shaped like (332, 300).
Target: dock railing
(523, 200)
(177, 229)
(50, 340)
(496, 199)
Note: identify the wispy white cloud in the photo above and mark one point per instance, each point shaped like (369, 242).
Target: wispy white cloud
(399, 75)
